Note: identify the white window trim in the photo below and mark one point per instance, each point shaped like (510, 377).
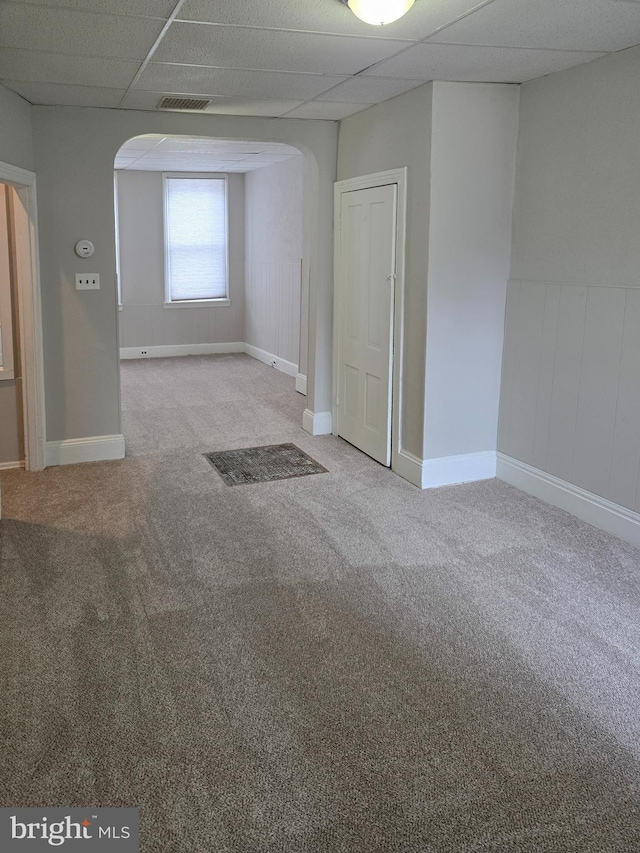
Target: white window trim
(197, 303)
(192, 303)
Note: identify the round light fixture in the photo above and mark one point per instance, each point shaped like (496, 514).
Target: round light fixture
(379, 12)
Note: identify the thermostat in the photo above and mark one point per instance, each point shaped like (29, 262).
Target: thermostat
(84, 248)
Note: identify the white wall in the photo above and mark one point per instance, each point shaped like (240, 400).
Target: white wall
(274, 214)
(390, 135)
(75, 150)
(16, 148)
(458, 141)
(473, 148)
(144, 321)
(16, 138)
(571, 375)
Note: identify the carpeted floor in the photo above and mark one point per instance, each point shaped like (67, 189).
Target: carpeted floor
(328, 664)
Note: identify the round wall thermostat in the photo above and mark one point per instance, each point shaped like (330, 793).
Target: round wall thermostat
(84, 248)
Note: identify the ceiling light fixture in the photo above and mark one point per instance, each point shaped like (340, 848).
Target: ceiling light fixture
(379, 12)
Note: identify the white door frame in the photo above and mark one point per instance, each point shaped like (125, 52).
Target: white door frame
(29, 312)
(377, 179)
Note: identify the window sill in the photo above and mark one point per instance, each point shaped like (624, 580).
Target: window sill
(196, 303)
(6, 374)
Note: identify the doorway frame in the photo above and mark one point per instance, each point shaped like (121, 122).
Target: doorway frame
(27, 289)
(376, 179)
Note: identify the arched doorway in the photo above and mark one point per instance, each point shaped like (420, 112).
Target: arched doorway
(261, 307)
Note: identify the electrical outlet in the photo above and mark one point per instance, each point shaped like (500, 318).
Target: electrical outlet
(88, 281)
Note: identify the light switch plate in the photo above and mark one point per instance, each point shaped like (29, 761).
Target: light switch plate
(87, 281)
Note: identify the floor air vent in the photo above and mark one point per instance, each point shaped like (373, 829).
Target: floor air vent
(183, 104)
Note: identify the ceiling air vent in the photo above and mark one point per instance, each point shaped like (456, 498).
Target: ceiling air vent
(183, 104)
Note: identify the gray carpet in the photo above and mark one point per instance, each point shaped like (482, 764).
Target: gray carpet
(332, 663)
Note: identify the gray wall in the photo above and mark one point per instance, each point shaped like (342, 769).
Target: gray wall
(75, 150)
(274, 213)
(16, 142)
(143, 320)
(571, 374)
(16, 148)
(458, 141)
(473, 149)
(391, 135)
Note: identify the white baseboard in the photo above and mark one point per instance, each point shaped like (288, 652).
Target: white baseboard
(97, 448)
(447, 470)
(409, 467)
(317, 423)
(301, 384)
(8, 466)
(180, 349)
(281, 364)
(287, 367)
(585, 505)
(466, 468)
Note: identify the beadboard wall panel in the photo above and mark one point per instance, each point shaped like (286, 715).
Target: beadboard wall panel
(274, 215)
(571, 385)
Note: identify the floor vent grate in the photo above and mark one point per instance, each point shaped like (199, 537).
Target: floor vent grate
(263, 464)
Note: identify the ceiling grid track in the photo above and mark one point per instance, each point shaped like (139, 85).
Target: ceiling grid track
(154, 47)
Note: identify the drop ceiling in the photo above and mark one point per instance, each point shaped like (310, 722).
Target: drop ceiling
(308, 59)
(156, 153)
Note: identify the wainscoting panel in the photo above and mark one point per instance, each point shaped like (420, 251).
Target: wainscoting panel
(272, 307)
(570, 401)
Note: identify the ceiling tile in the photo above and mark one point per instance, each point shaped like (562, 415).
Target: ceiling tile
(150, 8)
(144, 100)
(39, 67)
(73, 96)
(330, 16)
(369, 90)
(142, 143)
(77, 33)
(149, 162)
(326, 110)
(223, 82)
(179, 160)
(178, 145)
(197, 167)
(478, 64)
(194, 148)
(237, 47)
(248, 168)
(590, 25)
(137, 100)
(220, 147)
(265, 159)
(251, 107)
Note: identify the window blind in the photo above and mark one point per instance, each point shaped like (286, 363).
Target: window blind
(196, 236)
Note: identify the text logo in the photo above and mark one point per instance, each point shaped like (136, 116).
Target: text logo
(71, 829)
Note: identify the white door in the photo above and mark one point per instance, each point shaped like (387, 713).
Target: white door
(365, 299)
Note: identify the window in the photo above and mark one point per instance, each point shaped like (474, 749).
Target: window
(195, 223)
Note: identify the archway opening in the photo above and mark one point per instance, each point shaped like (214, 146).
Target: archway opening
(169, 238)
